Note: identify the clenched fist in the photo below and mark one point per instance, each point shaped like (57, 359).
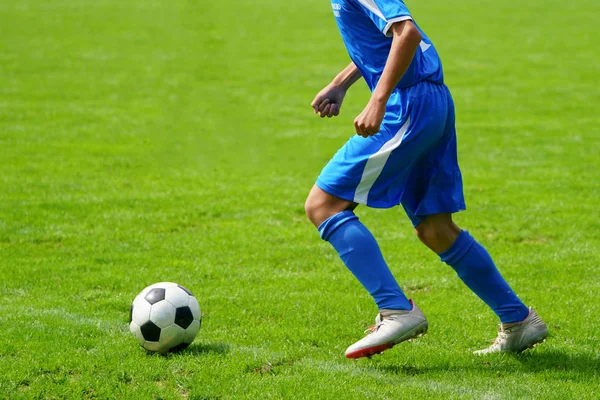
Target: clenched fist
(368, 122)
(327, 102)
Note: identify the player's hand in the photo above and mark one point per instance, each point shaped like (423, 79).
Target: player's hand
(328, 102)
(368, 122)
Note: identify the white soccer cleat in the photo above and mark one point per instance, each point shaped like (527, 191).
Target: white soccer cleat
(388, 331)
(518, 336)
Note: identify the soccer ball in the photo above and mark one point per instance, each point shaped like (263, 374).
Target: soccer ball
(165, 317)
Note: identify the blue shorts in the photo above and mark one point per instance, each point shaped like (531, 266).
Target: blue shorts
(412, 160)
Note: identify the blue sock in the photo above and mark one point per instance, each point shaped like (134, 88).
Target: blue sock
(359, 250)
(475, 267)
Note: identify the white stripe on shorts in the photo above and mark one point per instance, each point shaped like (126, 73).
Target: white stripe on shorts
(375, 165)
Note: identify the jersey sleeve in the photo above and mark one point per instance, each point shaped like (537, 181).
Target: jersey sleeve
(384, 13)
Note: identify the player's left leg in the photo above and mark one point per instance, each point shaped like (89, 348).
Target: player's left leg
(433, 193)
(473, 264)
(521, 327)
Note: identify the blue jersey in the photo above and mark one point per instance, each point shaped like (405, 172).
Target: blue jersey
(365, 28)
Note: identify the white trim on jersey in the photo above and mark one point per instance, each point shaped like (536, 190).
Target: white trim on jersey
(393, 21)
(375, 165)
(370, 4)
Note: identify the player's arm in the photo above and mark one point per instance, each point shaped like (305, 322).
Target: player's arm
(347, 77)
(327, 102)
(406, 39)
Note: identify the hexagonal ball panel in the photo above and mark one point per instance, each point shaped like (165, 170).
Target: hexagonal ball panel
(137, 332)
(183, 317)
(172, 336)
(160, 285)
(155, 346)
(155, 295)
(140, 312)
(177, 297)
(150, 331)
(162, 314)
(195, 307)
(143, 292)
(191, 331)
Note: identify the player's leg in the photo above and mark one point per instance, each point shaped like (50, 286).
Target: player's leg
(398, 319)
(521, 327)
(358, 249)
(433, 193)
(320, 206)
(370, 171)
(473, 264)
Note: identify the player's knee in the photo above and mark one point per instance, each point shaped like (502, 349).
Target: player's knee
(437, 234)
(319, 206)
(427, 233)
(314, 207)
(310, 207)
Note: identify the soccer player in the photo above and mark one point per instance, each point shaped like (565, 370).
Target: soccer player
(404, 152)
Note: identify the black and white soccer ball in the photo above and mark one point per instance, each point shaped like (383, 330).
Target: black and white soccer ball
(165, 317)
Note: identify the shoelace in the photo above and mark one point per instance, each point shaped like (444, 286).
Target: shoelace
(372, 329)
(502, 334)
(376, 327)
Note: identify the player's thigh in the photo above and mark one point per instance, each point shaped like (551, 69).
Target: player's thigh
(352, 167)
(373, 171)
(434, 185)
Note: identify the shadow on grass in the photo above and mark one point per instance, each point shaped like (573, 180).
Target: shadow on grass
(408, 370)
(553, 360)
(559, 361)
(207, 348)
(195, 350)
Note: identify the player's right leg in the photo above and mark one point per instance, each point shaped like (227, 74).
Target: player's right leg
(398, 319)
(375, 171)
(356, 246)
(372, 171)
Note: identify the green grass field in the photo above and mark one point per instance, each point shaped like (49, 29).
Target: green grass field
(147, 141)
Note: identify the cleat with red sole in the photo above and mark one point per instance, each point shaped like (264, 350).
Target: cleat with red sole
(369, 351)
(396, 327)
